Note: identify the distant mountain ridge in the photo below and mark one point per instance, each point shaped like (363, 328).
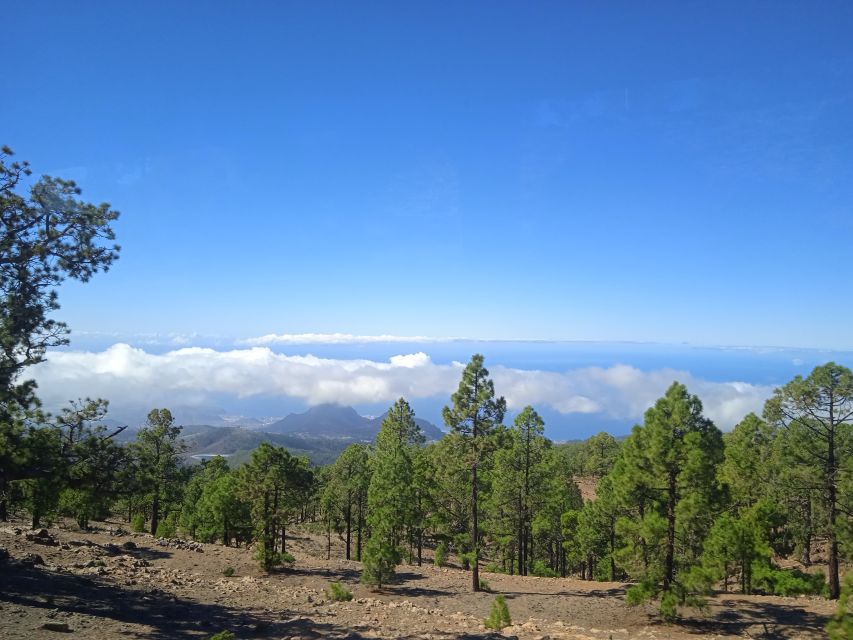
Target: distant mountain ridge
(320, 433)
(337, 421)
(238, 442)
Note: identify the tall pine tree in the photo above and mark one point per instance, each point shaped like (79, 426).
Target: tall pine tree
(391, 497)
(475, 416)
(676, 466)
(158, 449)
(817, 412)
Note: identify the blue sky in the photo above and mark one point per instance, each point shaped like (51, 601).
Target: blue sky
(672, 172)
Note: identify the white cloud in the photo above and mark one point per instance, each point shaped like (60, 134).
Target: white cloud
(130, 375)
(333, 338)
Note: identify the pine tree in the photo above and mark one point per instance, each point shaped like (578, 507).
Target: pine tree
(448, 488)
(747, 469)
(499, 615)
(391, 492)
(93, 464)
(423, 506)
(212, 508)
(589, 533)
(520, 480)
(818, 410)
(380, 558)
(158, 449)
(737, 542)
(474, 417)
(599, 454)
(676, 465)
(346, 489)
(272, 483)
(47, 236)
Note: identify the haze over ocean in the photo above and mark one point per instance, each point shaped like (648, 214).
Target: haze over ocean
(579, 387)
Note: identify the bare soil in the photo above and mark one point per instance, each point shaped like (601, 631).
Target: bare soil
(109, 583)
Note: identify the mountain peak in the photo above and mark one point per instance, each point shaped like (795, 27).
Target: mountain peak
(340, 421)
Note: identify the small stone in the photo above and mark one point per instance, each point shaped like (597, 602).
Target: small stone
(42, 536)
(32, 559)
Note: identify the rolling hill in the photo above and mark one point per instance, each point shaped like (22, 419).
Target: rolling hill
(320, 433)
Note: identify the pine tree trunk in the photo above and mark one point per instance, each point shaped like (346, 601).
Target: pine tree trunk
(360, 526)
(831, 490)
(475, 532)
(521, 547)
(349, 529)
(612, 551)
(155, 511)
(806, 553)
(642, 512)
(669, 561)
(529, 551)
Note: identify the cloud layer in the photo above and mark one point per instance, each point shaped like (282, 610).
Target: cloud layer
(129, 375)
(334, 338)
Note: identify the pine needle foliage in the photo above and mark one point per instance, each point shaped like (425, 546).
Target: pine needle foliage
(474, 417)
(338, 592)
(499, 616)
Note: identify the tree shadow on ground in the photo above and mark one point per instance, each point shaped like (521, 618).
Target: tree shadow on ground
(766, 620)
(414, 592)
(339, 574)
(616, 592)
(170, 617)
(147, 553)
(404, 576)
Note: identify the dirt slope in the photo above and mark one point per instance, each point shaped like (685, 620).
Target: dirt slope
(112, 584)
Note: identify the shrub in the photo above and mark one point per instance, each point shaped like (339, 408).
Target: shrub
(788, 582)
(494, 567)
(222, 635)
(228, 572)
(338, 592)
(137, 524)
(669, 606)
(269, 559)
(380, 559)
(499, 615)
(541, 570)
(166, 529)
(484, 586)
(678, 595)
(440, 555)
(841, 625)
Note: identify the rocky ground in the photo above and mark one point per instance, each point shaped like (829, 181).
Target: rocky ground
(110, 583)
